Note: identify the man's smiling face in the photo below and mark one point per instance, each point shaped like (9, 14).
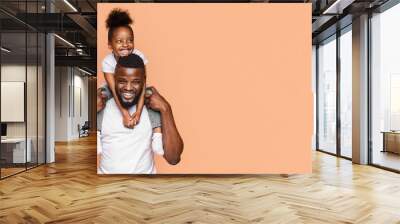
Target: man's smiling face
(128, 85)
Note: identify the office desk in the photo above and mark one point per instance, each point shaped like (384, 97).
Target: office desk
(13, 150)
(391, 141)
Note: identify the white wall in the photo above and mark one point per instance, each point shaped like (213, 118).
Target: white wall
(71, 94)
(61, 103)
(79, 112)
(81, 82)
(12, 73)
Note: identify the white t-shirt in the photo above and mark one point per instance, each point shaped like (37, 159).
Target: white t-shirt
(125, 150)
(109, 62)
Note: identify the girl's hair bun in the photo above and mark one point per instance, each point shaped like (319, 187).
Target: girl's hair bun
(117, 18)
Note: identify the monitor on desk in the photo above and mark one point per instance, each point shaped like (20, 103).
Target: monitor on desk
(3, 130)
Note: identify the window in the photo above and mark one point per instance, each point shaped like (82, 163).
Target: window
(385, 88)
(327, 95)
(346, 93)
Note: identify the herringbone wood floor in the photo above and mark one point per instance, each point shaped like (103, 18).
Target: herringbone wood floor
(69, 191)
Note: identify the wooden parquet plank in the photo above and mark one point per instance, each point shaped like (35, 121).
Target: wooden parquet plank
(70, 191)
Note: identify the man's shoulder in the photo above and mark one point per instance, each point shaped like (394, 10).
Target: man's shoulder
(110, 104)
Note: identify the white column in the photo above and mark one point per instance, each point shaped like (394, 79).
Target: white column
(360, 90)
(50, 93)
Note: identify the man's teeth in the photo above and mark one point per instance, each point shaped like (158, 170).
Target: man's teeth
(128, 95)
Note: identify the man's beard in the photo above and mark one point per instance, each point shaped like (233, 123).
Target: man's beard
(125, 104)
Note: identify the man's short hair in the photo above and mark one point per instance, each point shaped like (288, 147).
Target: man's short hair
(131, 61)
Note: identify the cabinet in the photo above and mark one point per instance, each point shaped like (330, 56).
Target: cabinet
(391, 142)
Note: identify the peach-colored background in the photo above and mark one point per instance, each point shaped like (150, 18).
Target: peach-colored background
(238, 77)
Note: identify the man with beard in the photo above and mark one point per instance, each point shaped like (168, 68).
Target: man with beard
(130, 151)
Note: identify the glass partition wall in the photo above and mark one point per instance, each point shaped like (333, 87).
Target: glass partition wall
(334, 93)
(385, 89)
(334, 90)
(22, 77)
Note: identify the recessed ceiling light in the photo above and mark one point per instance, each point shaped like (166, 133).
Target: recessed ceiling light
(84, 71)
(5, 50)
(337, 7)
(64, 40)
(70, 5)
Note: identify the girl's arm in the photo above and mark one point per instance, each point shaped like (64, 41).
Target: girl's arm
(126, 117)
(140, 105)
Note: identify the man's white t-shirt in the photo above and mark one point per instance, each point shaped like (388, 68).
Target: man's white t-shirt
(109, 62)
(125, 150)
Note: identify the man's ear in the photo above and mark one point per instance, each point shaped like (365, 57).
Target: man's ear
(144, 74)
(109, 46)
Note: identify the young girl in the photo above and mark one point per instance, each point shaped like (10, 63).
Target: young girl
(120, 41)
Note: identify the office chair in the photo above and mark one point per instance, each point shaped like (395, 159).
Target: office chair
(84, 130)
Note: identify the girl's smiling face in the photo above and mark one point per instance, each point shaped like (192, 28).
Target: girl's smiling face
(122, 41)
